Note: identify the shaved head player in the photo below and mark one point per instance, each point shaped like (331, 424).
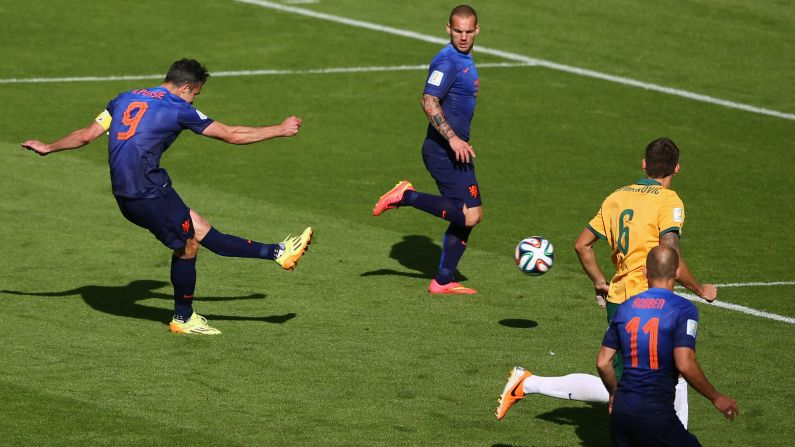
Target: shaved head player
(448, 100)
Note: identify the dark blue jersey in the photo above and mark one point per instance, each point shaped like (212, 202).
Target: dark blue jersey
(646, 329)
(143, 125)
(453, 78)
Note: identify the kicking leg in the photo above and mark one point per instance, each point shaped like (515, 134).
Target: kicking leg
(285, 253)
(404, 194)
(680, 401)
(582, 387)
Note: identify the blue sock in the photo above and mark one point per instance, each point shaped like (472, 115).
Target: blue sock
(451, 210)
(453, 246)
(228, 245)
(183, 277)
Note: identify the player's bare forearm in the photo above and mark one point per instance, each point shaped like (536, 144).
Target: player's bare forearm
(604, 364)
(685, 278)
(240, 135)
(587, 256)
(433, 110)
(686, 363)
(73, 140)
(249, 135)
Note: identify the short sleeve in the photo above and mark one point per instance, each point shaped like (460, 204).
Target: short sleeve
(686, 327)
(671, 215)
(610, 338)
(190, 118)
(597, 225)
(441, 75)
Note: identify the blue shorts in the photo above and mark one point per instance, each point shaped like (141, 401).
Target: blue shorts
(667, 431)
(167, 217)
(454, 179)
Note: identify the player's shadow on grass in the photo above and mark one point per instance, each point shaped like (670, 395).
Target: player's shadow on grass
(591, 423)
(122, 301)
(417, 253)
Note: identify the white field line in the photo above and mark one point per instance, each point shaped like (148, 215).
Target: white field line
(743, 309)
(738, 308)
(525, 59)
(757, 284)
(237, 73)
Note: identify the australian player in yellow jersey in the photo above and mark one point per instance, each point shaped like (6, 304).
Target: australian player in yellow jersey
(633, 220)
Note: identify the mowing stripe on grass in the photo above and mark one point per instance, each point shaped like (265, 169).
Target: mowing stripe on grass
(238, 73)
(525, 59)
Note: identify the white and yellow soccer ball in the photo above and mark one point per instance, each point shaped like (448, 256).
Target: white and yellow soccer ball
(535, 255)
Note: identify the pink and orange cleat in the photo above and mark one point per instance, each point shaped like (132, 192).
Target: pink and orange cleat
(390, 200)
(452, 288)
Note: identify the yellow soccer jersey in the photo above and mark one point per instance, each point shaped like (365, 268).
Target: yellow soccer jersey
(631, 220)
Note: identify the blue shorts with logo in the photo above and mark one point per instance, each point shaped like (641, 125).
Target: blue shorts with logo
(454, 179)
(166, 217)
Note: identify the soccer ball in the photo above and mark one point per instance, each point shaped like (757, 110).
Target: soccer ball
(534, 255)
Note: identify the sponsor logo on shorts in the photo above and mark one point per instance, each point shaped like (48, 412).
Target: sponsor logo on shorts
(473, 191)
(186, 226)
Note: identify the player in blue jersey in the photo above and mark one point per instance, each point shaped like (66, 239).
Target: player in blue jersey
(656, 334)
(449, 103)
(141, 125)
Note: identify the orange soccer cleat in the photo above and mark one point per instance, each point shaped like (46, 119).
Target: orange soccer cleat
(390, 200)
(513, 391)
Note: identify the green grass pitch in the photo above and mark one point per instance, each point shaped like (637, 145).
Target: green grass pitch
(350, 349)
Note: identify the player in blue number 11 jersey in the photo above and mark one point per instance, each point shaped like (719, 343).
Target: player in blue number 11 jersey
(656, 334)
(141, 125)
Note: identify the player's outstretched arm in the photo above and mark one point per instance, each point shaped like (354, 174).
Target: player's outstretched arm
(686, 363)
(74, 140)
(706, 291)
(587, 256)
(433, 110)
(247, 135)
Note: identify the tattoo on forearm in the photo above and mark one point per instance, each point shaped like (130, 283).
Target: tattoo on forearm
(670, 239)
(434, 111)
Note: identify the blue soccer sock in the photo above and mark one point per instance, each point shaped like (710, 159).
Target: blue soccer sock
(451, 210)
(183, 277)
(228, 245)
(453, 246)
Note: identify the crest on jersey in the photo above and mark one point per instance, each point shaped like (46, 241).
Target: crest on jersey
(692, 328)
(436, 78)
(679, 214)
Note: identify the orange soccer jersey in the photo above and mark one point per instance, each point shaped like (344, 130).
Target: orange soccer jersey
(631, 220)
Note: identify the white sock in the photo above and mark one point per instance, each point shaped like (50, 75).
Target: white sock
(582, 387)
(680, 401)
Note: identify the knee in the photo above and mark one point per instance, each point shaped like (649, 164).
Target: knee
(190, 250)
(473, 216)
